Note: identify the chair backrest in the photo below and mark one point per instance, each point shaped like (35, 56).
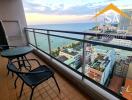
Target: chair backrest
(12, 67)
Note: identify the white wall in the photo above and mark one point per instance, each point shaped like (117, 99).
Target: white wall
(12, 10)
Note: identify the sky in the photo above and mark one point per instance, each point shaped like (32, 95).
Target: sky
(66, 11)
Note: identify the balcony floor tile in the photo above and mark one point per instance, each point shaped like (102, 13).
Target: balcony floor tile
(45, 91)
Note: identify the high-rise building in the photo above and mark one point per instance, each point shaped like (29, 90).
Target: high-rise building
(125, 23)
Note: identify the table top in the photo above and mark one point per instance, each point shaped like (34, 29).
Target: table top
(16, 52)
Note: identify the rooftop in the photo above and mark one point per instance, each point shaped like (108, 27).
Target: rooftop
(73, 53)
(62, 58)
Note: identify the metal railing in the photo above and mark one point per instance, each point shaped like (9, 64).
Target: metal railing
(39, 38)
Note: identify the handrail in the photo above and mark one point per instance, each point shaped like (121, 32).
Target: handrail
(118, 36)
(82, 40)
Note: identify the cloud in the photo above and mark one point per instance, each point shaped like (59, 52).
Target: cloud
(78, 10)
(110, 0)
(60, 9)
(37, 6)
(37, 18)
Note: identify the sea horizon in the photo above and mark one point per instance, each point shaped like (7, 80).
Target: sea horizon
(57, 41)
(81, 27)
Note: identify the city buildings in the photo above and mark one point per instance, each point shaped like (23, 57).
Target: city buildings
(102, 62)
(127, 43)
(125, 23)
(73, 57)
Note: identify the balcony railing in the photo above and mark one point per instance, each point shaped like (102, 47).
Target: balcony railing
(98, 58)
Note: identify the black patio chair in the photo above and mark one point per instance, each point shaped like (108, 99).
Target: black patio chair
(34, 77)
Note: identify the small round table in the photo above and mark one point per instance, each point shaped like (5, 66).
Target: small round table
(18, 52)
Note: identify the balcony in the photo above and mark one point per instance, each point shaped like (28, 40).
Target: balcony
(87, 57)
(83, 59)
(47, 90)
(87, 65)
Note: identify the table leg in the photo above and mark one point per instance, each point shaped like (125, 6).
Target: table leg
(19, 63)
(27, 62)
(23, 62)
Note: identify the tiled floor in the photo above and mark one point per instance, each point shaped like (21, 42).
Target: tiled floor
(46, 91)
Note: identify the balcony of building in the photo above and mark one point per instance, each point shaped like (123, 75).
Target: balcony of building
(99, 62)
(45, 91)
(86, 65)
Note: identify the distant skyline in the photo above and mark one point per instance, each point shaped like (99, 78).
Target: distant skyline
(66, 11)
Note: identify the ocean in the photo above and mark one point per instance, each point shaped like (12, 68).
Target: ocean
(81, 27)
(42, 40)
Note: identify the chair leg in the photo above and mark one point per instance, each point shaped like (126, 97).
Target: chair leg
(9, 60)
(15, 82)
(21, 89)
(56, 83)
(31, 95)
